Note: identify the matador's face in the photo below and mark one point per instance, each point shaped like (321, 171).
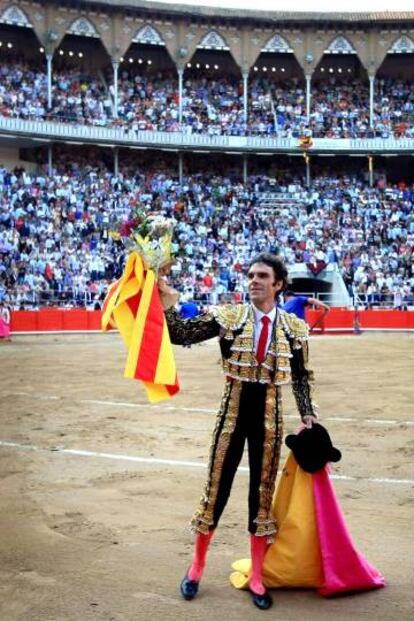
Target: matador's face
(263, 286)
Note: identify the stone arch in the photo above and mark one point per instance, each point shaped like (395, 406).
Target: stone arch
(148, 35)
(403, 44)
(15, 16)
(213, 41)
(83, 27)
(278, 44)
(215, 44)
(340, 45)
(91, 37)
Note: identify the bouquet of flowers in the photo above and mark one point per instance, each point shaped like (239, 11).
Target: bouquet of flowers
(150, 236)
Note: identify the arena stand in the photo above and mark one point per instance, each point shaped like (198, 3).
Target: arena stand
(248, 148)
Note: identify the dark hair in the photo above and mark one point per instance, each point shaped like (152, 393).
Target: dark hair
(274, 262)
(288, 293)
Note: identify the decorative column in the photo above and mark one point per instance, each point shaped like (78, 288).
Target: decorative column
(115, 66)
(245, 98)
(371, 100)
(308, 78)
(50, 160)
(307, 163)
(245, 168)
(371, 170)
(116, 162)
(49, 58)
(180, 167)
(180, 96)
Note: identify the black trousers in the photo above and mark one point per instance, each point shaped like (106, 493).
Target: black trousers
(250, 427)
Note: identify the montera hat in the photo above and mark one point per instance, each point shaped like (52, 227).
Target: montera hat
(313, 448)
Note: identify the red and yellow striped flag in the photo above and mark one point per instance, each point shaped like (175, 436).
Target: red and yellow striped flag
(133, 305)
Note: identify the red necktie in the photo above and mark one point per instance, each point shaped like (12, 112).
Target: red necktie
(264, 334)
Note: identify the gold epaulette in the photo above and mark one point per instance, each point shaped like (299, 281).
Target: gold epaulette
(295, 328)
(231, 317)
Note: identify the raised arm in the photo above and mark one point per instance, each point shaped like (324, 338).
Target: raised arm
(185, 331)
(190, 331)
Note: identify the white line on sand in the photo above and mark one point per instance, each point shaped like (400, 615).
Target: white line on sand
(128, 404)
(173, 462)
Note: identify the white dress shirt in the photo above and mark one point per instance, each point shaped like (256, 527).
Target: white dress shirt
(258, 314)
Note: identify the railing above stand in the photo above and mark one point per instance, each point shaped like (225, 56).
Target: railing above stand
(105, 136)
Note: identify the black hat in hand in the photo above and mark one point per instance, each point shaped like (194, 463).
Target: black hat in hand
(312, 448)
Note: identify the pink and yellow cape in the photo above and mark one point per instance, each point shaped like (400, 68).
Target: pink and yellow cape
(313, 548)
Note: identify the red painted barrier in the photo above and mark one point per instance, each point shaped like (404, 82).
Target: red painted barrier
(403, 320)
(61, 320)
(75, 320)
(345, 319)
(24, 321)
(50, 320)
(94, 320)
(55, 320)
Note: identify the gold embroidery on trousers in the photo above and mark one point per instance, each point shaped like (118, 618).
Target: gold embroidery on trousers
(266, 525)
(203, 517)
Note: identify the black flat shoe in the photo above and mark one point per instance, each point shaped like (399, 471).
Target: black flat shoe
(189, 588)
(264, 602)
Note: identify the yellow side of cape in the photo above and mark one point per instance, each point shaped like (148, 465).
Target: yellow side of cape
(293, 560)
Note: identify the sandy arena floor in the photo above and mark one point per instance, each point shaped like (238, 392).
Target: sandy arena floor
(98, 537)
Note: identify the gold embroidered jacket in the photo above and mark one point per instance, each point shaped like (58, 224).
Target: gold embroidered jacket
(286, 360)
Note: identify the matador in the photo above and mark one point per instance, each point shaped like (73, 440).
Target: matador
(262, 348)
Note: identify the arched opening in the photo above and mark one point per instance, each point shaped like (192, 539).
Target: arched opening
(153, 168)
(277, 94)
(340, 94)
(394, 95)
(208, 166)
(23, 86)
(213, 90)
(132, 164)
(396, 170)
(147, 84)
(75, 161)
(272, 171)
(80, 89)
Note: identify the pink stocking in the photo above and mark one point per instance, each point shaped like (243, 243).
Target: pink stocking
(199, 559)
(258, 547)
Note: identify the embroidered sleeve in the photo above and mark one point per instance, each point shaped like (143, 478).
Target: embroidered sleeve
(190, 331)
(302, 379)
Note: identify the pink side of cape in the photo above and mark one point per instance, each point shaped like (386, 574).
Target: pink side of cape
(4, 329)
(345, 569)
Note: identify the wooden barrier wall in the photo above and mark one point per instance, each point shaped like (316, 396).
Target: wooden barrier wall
(343, 319)
(55, 320)
(337, 320)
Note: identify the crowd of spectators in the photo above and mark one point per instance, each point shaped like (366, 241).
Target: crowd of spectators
(59, 236)
(211, 105)
(80, 98)
(148, 102)
(340, 110)
(23, 91)
(76, 97)
(368, 232)
(394, 107)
